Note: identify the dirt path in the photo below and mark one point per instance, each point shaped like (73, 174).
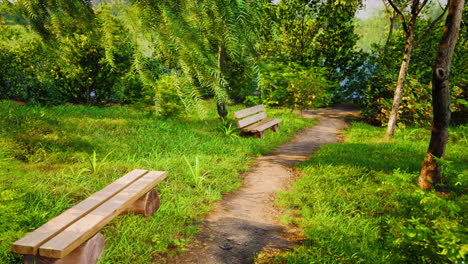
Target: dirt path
(245, 222)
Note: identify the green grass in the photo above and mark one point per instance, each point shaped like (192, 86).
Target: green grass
(358, 202)
(52, 158)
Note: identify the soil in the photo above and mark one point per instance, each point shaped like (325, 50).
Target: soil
(245, 223)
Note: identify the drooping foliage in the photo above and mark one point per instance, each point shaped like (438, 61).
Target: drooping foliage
(65, 62)
(122, 51)
(193, 41)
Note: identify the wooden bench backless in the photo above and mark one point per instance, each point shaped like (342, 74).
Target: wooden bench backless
(254, 121)
(72, 236)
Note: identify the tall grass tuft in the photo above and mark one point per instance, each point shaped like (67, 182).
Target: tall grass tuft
(94, 164)
(195, 173)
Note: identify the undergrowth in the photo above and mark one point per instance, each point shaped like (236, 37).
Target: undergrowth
(53, 158)
(358, 202)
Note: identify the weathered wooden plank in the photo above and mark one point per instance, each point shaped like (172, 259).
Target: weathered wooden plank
(74, 235)
(29, 244)
(249, 111)
(262, 125)
(251, 119)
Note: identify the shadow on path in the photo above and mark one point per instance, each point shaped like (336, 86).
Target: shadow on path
(245, 222)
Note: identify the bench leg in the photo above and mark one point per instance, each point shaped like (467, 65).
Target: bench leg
(260, 134)
(147, 205)
(87, 253)
(275, 128)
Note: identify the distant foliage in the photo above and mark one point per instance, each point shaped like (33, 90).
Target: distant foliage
(313, 34)
(415, 109)
(310, 90)
(374, 88)
(70, 66)
(293, 86)
(122, 52)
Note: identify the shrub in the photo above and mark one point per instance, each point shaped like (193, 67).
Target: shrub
(294, 86)
(174, 93)
(415, 108)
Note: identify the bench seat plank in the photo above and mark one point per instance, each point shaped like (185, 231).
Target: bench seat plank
(251, 119)
(77, 233)
(249, 111)
(262, 125)
(29, 244)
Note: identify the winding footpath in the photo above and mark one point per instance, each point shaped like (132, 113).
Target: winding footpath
(245, 222)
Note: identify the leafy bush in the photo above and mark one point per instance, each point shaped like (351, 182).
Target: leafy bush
(431, 229)
(294, 86)
(73, 67)
(309, 90)
(415, 108)
(174, 94)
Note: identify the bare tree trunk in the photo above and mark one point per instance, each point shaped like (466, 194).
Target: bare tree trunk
(221, 104)
(400, 84)
(408, 28)
(430, 171)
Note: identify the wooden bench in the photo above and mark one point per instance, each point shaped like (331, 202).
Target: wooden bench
(72, 237)
(254, 121)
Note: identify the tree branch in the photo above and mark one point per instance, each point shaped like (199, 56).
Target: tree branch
(430, 27)
(400, 14)
(421, 7)
(385, 6)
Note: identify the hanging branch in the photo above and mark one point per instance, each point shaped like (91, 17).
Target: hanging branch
(400, 14)
(421, 7)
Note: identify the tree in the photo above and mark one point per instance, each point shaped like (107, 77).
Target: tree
(70, 63)
(193, 39)
(309, 34)
(409, 25)
(227, 27)
(430, 174)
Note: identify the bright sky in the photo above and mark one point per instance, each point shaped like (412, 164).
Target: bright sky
(371, 6)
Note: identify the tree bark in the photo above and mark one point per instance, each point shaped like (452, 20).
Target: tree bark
(221, 104)
(408, 27)
(430, 172)
(400, 84)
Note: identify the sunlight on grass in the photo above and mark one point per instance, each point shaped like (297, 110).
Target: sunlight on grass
(52, 158)
(358, 202)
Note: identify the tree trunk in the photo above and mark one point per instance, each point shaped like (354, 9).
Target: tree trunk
(400, 84)
(221, 104)
(430, 171)
(408, 28)
(389, 35)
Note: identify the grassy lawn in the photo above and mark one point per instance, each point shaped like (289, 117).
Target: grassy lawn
(52, 158)
(358, 202)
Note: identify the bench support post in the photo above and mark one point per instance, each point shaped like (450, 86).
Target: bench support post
(147, 205)
(275, 128)
(87, 253)
(260, 134)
